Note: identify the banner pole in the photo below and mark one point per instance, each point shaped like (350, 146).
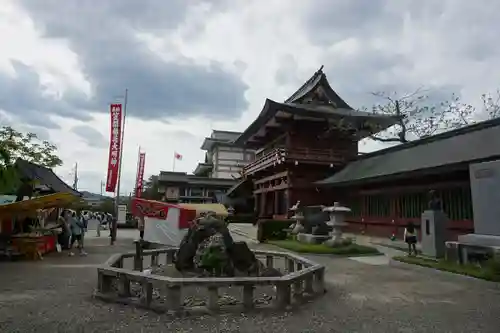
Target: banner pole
(117, 198)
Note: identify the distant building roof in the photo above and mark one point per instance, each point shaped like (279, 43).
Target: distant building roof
(183, 177)
(202, 168)
(218, 137)
(459, 147)
(44, 176)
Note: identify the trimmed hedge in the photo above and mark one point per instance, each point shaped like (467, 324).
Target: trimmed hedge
(489, 270)
(242, 218)
(350, 249)
(272, 229)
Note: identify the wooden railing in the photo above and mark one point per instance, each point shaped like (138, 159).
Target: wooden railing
(301, 155)
(302, 280)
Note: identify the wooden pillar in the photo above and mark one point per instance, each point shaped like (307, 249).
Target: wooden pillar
(276, 202)
(256, 204)
(262, 204)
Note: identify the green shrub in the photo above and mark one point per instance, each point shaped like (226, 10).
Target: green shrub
(242, 218)
(490, 271)
(347, 249)
(272, 229)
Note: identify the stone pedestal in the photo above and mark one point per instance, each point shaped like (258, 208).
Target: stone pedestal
(312, 239)
(479, 240)
(433, 228)
(477, 247)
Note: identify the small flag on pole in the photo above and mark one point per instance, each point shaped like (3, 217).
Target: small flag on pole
(177, 156)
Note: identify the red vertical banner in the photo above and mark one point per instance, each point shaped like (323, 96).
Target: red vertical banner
(114, 147)
(140, 175)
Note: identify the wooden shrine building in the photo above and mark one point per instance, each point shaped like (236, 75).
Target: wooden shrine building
(388, 188)
(308, 137)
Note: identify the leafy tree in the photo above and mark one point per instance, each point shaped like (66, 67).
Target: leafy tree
(151, 189)
(14, 145)
(28, 147)
(107, 206)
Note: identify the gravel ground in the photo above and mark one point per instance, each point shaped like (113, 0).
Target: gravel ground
(54, 296)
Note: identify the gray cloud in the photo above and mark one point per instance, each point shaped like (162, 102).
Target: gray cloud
(23, 98)
(90, 135)
(467, 30)
(113, 58)
(329, 21)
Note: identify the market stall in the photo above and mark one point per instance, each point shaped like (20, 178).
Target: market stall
(31, 225)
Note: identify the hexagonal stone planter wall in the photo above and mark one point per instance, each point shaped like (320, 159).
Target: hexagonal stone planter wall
(302, 279)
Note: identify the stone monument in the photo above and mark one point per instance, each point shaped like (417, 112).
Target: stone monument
(209, 250)
(337, 222)
(485, 191)
(433, 228)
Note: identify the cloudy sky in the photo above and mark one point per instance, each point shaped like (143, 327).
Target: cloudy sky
(191, 66)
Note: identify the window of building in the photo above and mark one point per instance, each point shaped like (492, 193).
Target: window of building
(196, 192)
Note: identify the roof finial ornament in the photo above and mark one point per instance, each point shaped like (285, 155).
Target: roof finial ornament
(321, 68)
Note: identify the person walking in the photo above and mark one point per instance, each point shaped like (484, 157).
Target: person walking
(76, 233)
(84, 221)
(99, 226)
(410, 237)
(140, 226)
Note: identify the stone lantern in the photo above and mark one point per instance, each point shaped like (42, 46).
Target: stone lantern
(298, 217)
(337, 222)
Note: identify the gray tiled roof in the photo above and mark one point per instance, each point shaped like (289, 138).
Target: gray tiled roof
(295, 105)
(318, 79)
(44, 176)
(473, 143)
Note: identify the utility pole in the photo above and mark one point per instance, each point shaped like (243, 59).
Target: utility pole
(117, 197)
(75, 178)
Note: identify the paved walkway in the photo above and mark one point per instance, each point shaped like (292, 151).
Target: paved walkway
(54, 296)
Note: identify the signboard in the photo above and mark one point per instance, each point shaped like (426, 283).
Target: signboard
(122, 215)
(172, 193)
(164, 223)
(114, 147)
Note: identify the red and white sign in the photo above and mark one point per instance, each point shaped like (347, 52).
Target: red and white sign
(140, 175)
(177, 156)
(114, 147)
(164, 223)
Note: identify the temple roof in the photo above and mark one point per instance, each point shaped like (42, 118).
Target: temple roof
(452, 150)
(365, 123)
(316, 100)
(43, 176)
(318, 80)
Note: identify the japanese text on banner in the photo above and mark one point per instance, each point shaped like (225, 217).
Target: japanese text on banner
(114, 147)
(140, 175)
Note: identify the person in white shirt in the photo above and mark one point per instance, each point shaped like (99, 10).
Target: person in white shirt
(410, 237)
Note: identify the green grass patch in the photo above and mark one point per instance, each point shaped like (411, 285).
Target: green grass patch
(489, 270)
(351, 249)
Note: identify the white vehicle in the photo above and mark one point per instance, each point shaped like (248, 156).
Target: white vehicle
(122, 215)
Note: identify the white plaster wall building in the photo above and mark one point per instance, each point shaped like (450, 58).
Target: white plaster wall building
(223, 159)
